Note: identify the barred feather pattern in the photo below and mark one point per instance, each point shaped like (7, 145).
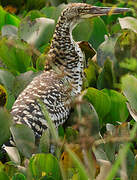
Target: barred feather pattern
(58, 83)
(47, 87)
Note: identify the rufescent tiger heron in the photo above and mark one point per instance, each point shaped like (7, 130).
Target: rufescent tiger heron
(61, 80)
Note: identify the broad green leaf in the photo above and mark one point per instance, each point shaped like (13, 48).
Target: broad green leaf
(89, 30)
(6, 79)
(130, 64)
(31, 16)
(5, 123)
(61, 131)
(106, 50)
(9, 31)
(40, 63)
(130, 163)
(110, 150)
(129, 87)
(91, 74)
(106, 78)
(71, 134)
(93, 120)
(19, 176)
(100, 101)
(4, 176)
(44, 144)
(134, 173)
(24, 139)
(7, 18)
(37, 32)
(45, 164)
(49, 11)
(128, 23)
(126, 46)
(15, 54)
(21, 81)
(118, 109)
(10, 100)
(87, 116)
(97, 36)
(100, 153)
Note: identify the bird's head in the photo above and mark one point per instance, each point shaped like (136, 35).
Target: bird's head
(77, 11)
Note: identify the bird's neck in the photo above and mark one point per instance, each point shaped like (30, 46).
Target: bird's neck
(65, 52)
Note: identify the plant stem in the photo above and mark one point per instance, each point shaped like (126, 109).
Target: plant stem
(122, 154)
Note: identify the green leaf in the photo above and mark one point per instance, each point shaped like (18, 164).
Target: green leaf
(44, 144)
(89, 30)
(125, 46)
(129, 64)
(128, 23)
(93, 125)
(32, 15)
(91, 74)
(24, 138)
(118, 109)
(15, 54)
(3, 176)
(49, 12)
(129, 87)
(21, 81)
(9, 31)
(7, 18)
(10, 100)
(36, 32)
(6, 79)
(86, 115)
(61, 131)
(106, 50)
(100, 101)
(122, 155)
(106, 78)
(5, 123)
(19, 176)
(40, 63)
(83, 175)
(71, 134)
(130, 162)
(44, 164)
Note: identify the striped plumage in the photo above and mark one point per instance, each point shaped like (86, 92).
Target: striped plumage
(61, 80)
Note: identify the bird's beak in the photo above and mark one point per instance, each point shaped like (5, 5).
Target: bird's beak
(101, 11)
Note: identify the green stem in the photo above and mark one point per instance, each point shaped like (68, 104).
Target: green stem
(51, 126)
(83, 175)
(121, 155)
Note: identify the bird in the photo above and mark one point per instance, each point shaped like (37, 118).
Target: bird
(62, 77)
